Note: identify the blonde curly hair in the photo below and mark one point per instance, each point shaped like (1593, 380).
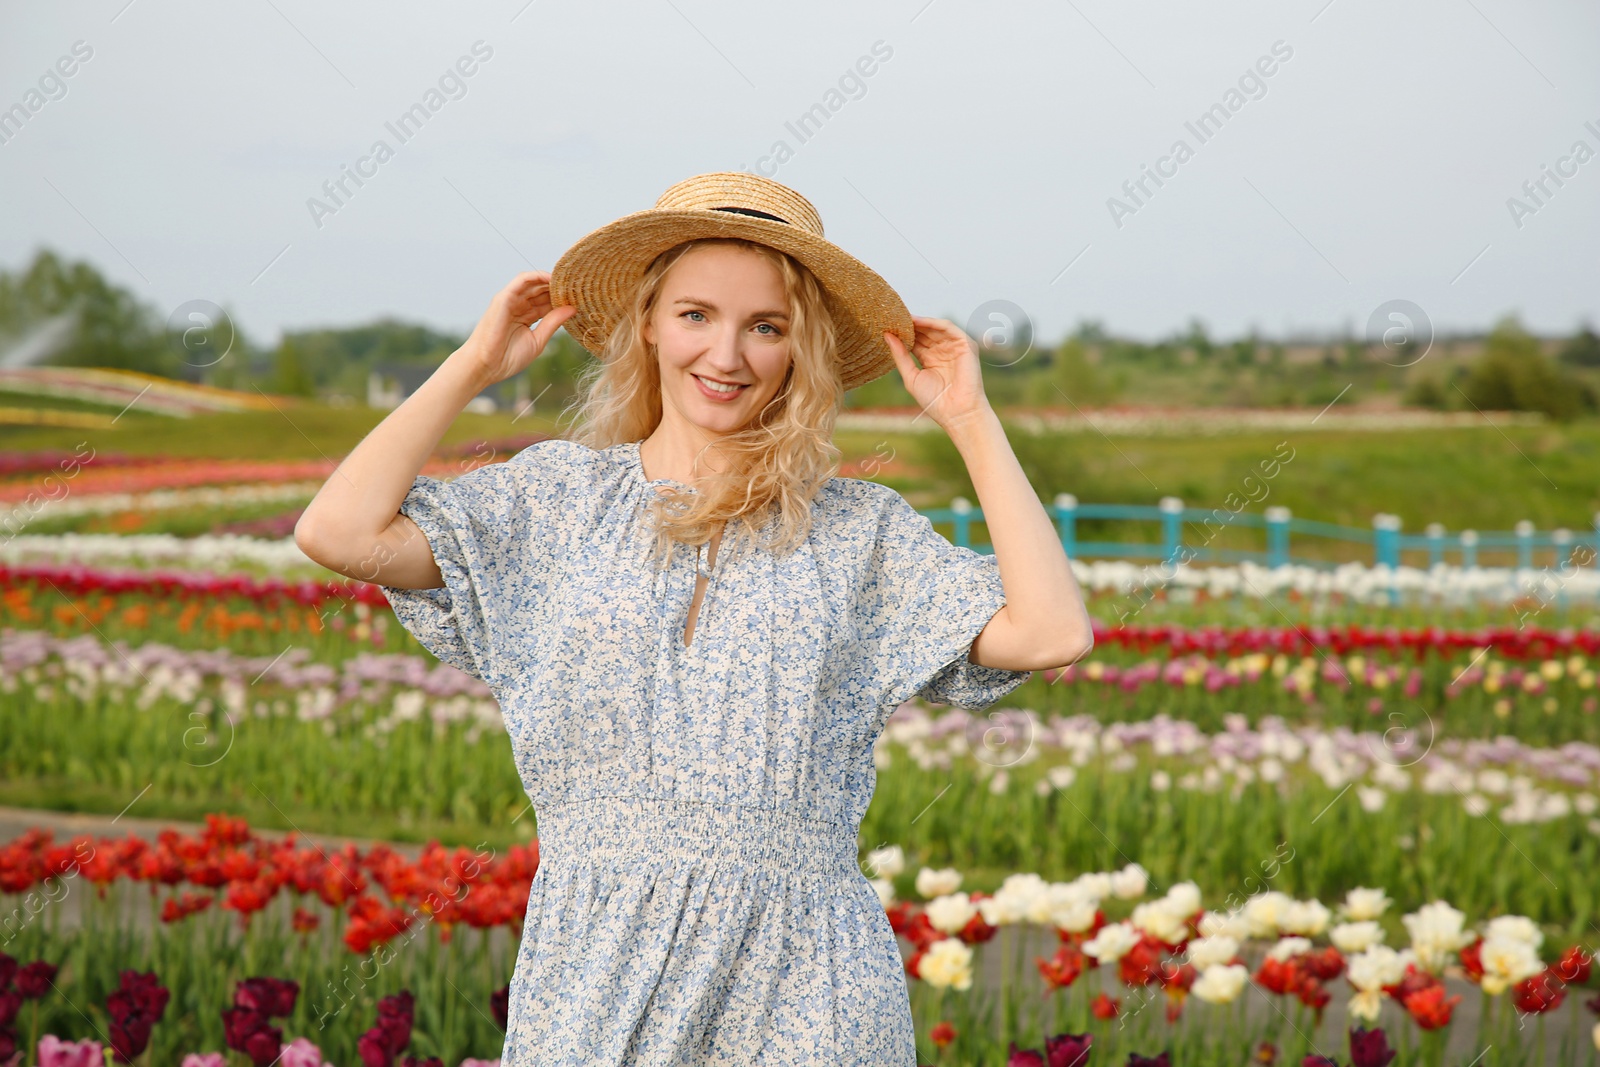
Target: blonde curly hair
(776, 463)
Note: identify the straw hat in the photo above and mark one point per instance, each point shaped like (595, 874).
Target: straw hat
(597, 275)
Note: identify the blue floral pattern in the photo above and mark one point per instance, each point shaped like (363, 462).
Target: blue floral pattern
(699, 897)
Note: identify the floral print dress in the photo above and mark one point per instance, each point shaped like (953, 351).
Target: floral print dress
(699, 897)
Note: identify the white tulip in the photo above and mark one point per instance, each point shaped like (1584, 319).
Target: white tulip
(1161, 920)
(887, 862)
(1287, 948)
(1112, 942)
(1351, 938)
(1515, 927)
(1366, 1004)
(1263, 912)
(1361, 904)
(950, 914)
(947, 964)
(1184, 898)
(1308, 918)
(1436, 932)
(1375, 968)
(1205, 952)
(1221, 983)
(937, 883)
(1507, 961)
(1130, 883)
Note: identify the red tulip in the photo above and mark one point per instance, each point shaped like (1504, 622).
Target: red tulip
(1062, 969)
(135, 1007)
(1277, 976)
(1136, 1060)
(272, 997)
(1023, 1057)
(1539, 993)
(1139, 965)
(1370, 1048)
(35, 980)
(1574, 966)
(1472, 960)
(1067, 1050)
(1430, 1007)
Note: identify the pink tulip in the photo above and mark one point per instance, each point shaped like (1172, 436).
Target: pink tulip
(54, 1052)
(203, 1059)
(299, 1053)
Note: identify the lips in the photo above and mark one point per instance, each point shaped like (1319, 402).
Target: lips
(716, 394)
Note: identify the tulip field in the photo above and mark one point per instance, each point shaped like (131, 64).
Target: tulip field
(1276, 817)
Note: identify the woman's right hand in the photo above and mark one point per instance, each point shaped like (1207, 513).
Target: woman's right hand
(501, 344)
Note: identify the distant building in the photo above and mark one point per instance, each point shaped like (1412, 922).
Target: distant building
(388, 384)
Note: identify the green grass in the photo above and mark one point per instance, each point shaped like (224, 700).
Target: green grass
(1484, 478)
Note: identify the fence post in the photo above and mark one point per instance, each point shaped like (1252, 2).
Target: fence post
(1171, 527)
(1435, 532)
(1277, 536)
(1067, 522)
(1386, 542)
(1383, 544)
(1562, 538)
(1469, 548)
(963, 520)
(1524, 532)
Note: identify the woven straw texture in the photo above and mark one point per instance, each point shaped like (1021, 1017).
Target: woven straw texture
(598, 274)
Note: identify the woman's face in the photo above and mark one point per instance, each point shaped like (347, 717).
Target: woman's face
(721, 319)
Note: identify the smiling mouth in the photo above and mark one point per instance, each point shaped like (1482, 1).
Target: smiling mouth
(728, 388)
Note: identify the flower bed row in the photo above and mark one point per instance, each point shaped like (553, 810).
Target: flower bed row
(189, 732)
(226, 896)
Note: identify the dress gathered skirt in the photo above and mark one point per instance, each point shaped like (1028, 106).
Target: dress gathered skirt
(699, 897)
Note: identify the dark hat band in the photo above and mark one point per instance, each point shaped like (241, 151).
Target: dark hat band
(752, 212)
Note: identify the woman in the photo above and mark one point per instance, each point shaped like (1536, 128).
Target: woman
(696, 734)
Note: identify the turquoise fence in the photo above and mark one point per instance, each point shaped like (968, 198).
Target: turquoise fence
(1382, 544)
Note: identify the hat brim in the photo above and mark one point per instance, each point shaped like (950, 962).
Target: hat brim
(598, 274)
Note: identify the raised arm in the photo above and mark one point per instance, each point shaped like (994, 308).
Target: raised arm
(1044, 623)
(353, 525)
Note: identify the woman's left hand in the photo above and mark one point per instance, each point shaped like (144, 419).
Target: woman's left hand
(949, 384)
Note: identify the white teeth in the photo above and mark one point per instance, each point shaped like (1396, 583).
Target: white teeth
(718, 386)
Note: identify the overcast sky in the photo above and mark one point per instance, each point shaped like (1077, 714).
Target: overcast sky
(978, 160)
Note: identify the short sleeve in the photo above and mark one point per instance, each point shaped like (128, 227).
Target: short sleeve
(493, 536)
(924, 601)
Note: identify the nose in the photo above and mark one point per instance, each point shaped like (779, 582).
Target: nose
(725, 354)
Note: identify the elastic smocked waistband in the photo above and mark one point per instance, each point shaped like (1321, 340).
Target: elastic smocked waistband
(623, 829)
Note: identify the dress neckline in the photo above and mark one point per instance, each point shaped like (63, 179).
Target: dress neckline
(637, 466)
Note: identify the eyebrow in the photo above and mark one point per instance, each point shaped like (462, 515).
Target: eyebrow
(709, 305)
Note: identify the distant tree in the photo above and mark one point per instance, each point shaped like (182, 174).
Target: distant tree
(1513, 374)
(1197, 340)
(1073, 375)
(1426, 391)
(1091, 332)
(113, 328)
(1244, 351)
(289, 374)
(1582, 349)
